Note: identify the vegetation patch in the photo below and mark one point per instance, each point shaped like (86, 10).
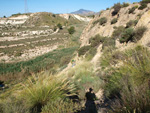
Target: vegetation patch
(131, 23)
(103, 20)
(127, 35)
(138, 33)
(83, 50)
(96, 40)
(45, 62)
(114, 21)
(91, 53)
(109, 42)
(117, 32)
(131, 10)
(84, 78)
(117, 8)
(125, 4)
(127, 81)
(71, 30)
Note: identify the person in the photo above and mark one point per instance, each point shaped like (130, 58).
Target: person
(73, 62)
(90, 106)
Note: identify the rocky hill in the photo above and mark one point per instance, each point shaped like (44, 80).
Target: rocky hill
(122, 18)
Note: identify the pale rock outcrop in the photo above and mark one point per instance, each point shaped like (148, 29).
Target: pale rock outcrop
(145, 21)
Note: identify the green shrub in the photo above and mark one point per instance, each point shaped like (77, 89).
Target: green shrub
(125, 4)
(114, 21)
(18, 53)
(103, 20)
(83, 50)
(127, 35)
(55, 28)
(143, 6)
(139, 15)
(145, 1)
(107, 8)
(138, 33)
(96, 40)
(117, 32)
(117, 8)
(59, 26)
(136, 6)
(131, 10)
(131, 23)
(71, 30)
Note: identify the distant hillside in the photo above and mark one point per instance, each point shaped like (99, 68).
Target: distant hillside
(83, 12)
(45, 18)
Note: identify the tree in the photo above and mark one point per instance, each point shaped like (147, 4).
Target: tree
(71, 30)
(59, 26)
(117, 8)
(4, 16)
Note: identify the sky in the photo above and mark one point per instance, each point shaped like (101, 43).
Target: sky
(9, 7)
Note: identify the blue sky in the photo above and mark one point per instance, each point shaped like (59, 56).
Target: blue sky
(9, 7)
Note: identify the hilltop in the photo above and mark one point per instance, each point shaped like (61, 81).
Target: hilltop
(84, 12)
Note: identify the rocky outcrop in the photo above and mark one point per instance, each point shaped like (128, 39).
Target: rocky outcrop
(145, 21)
(14, 20)
(80, 18)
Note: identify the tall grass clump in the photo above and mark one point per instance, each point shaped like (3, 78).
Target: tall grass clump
(84, 78)
(110, 57)
(129, 83)
(44, 88)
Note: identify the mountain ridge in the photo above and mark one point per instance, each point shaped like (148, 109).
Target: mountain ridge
(84, 12)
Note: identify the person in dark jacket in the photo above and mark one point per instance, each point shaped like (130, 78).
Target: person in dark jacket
(90, 104)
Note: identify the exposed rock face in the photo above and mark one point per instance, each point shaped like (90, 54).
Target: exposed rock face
(145, 21)
(14, 20)
(123, 17)
(66, 16)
